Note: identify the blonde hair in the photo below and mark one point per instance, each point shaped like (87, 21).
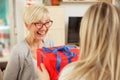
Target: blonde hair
(35, 13)
(99, 45)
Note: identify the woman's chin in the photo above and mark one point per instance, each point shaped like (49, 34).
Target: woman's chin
(40, 37)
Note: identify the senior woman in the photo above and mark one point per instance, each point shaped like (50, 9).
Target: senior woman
(22, 64)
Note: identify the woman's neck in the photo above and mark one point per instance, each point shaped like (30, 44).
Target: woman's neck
(34, 42)
(34, 45)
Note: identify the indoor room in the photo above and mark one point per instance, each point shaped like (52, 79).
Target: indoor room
(63, 28)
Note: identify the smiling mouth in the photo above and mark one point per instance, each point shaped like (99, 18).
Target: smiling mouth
(41, 33)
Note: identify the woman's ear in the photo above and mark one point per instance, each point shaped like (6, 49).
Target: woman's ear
(27, 26)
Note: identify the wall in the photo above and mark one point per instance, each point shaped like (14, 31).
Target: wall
(57, 30)
(74, 9)
(117, 3)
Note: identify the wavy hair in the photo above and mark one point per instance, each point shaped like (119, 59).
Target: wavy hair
(99, 45)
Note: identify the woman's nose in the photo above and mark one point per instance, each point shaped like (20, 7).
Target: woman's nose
(43, 27)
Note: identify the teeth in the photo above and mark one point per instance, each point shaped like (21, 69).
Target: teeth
(40, 33)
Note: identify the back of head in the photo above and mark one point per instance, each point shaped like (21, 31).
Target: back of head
(100, 47)
(99, 44)
(35, 13)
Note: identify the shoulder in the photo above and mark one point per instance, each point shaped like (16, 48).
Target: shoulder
(66, 70)
(20, 48)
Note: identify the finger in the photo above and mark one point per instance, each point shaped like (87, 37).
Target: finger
(39, 70)
(43, 67)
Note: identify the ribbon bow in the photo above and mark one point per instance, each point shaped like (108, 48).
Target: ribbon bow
(64, 49)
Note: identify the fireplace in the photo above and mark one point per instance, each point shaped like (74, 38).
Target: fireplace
(73, 30)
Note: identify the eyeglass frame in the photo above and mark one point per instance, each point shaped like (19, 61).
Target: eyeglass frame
(43, 24)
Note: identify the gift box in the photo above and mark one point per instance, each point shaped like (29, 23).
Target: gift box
(56, 58)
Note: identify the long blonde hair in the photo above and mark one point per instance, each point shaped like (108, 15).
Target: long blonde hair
(99, 45)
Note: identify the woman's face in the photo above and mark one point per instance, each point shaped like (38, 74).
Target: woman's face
(39, 29)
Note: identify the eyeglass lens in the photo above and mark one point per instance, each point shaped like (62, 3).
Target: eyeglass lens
(47, 24)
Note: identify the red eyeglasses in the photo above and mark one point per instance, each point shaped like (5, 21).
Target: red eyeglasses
(47, 24)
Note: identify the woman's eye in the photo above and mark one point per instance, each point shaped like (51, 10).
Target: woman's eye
(39, 24)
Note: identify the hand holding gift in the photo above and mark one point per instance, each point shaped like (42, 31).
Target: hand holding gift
(43, 73)
(55, 58)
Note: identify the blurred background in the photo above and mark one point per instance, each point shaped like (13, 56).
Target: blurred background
(65, 13)
(4, 27)
(12, 28)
